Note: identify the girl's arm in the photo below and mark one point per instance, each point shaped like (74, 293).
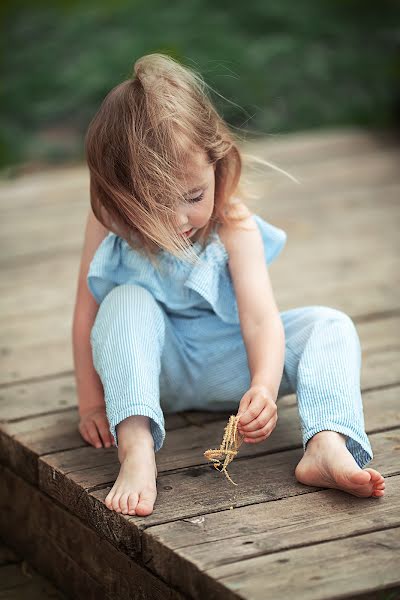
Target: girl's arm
(89, 388)
(261, 327)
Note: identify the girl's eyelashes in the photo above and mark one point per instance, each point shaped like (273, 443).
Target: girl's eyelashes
(197, 198)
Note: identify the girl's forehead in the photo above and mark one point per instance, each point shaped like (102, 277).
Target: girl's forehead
(194, 165)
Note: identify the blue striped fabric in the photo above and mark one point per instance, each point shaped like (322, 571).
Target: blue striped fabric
(169, 339)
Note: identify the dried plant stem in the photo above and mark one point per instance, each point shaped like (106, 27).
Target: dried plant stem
(231, 442)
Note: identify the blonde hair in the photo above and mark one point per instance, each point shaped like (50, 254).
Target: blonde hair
(137, 145)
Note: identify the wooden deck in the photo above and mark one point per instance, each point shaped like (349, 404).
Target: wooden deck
(268, 537)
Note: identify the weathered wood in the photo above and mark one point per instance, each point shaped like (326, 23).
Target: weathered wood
(200, 490)
(46, 350)
(20, 581)
(37, 398)
(50, 394)
(69, 552)
(318, 223)
(371, 169)
(336, 569)
(301, 147)
(347, 208)
(23, 441)
(7, 555)
(34, 343)
(181, 551)
(185, 448)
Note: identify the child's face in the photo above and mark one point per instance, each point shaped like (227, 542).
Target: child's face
(195, 212)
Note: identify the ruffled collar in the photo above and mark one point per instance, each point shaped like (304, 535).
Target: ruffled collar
(214, 247)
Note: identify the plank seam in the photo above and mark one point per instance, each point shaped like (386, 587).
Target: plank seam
(238, 458)
(144, 527)
(305, 545)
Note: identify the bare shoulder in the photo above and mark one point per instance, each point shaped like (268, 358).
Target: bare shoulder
(235, 236)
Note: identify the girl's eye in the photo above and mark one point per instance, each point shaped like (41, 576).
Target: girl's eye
(197, 198)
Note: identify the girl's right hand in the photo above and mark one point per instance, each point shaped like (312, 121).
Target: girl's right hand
(94, 427)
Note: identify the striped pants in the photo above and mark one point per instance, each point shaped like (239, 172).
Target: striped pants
(152, 362)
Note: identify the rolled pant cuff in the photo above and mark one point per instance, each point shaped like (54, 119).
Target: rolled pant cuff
(156, 422)
(358, 446)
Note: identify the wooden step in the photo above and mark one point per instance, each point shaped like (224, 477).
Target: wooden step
(268, 536)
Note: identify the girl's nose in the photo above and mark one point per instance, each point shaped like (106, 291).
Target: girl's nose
(182, 220)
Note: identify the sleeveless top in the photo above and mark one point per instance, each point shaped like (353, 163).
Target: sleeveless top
(183, 289)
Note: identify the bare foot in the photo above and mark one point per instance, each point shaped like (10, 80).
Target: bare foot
(328, 463)
(135, 491)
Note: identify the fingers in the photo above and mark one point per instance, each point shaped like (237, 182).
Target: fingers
(96, 431)
(84, 433)
(93, 434)
(262, 418)
(261, 434)
(105, 433)
(253, 410)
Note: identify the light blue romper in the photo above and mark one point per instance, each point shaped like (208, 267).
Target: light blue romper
(169, 339)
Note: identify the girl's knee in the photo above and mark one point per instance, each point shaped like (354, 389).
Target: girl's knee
(128, 296)
(326, 314)
(128, 304)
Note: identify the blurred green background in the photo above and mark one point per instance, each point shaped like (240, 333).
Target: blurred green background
(283, 65)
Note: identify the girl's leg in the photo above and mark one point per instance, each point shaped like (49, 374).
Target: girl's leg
(128, 339)
(134, 352)
(322, 365)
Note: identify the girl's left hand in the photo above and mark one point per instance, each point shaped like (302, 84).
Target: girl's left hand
(258, 414)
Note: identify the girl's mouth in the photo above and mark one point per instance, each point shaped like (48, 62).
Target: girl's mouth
(187, 232)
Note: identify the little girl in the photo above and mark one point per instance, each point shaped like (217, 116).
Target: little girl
(174, 307)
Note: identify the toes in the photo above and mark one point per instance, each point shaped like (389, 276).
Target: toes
(378, 493)
(109, 498)
(123, 503)
(132, 503)
(376, 477)
(115, 503)
(145, 505)
(380, 486)
(360, 477)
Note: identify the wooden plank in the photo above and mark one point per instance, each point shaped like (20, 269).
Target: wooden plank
(185, 448)
(50, 433)
(333, 271)
(373, 169)
(69, 552)
(319, 145)
(91, 468)
(7, 555)
(330, 570)
(38, 398)
(199, 490)
(21, 581)
(181, 552)
(344, 273)
(33, 340)
(295, 212)
(47, 397)
(23, 441)
(44, 350)
(45, 187)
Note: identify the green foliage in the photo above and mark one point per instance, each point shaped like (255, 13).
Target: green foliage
(281, 65)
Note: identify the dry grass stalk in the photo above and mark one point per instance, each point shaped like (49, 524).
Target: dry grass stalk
(231, 442)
